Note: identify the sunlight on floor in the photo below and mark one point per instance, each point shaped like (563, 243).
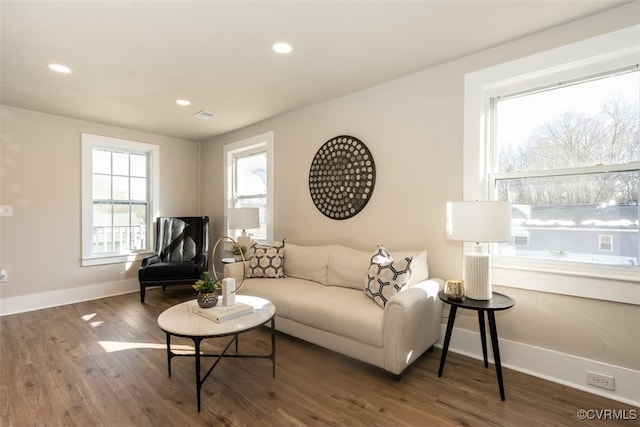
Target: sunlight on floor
(111, 346)
(88, 317)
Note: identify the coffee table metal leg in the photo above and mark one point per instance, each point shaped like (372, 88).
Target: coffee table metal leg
(447, 337)
(273, 345)
(169, 354)
(197, 341)
(496, 351)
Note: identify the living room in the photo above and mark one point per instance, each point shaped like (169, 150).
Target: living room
(415, 127)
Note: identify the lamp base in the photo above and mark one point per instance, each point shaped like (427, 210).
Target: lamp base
(477, 274)
(244, 240)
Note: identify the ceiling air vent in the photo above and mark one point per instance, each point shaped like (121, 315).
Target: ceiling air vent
(203, 115)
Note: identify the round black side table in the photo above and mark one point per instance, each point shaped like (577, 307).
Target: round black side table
(496, 303)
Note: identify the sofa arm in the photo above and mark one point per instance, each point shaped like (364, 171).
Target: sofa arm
(235, 270)
(411, 324)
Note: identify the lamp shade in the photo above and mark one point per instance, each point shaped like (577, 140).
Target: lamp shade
(243, 218)
(481, 221)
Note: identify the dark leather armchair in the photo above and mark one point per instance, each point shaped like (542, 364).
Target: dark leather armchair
(181, 253)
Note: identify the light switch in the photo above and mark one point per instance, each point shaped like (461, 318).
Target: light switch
(6, 210)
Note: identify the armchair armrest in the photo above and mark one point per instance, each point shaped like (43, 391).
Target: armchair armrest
(411, 324)
(201, 261)
(150, 260)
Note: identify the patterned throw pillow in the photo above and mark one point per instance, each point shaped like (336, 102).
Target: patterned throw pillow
(386, 276)
(266, 261)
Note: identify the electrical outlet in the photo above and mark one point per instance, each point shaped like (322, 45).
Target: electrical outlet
(601, 380)
(4, 275)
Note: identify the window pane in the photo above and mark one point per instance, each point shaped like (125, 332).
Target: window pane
(120, 228)
(583, 124)
(138, 189)
(138, 227)
(138, 165)
(120, 188)
(102, 228)
(256, 202)
(101, 187)
(569, 217)
(101, 161)
(120, 163)
(251, 174)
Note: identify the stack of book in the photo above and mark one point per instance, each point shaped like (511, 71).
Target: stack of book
(221, 313)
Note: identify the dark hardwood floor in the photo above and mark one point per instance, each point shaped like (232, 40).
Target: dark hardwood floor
(103, 363)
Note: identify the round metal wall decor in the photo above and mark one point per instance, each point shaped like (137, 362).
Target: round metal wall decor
(342, 177)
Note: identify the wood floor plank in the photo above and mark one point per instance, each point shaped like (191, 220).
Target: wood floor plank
(103, 363)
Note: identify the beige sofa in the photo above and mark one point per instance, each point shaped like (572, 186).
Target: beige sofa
(322, 301)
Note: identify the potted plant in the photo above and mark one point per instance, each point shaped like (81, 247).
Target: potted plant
(238, 251)
(207, 288)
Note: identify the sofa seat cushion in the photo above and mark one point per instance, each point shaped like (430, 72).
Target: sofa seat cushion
(278, 291)
(343, 311)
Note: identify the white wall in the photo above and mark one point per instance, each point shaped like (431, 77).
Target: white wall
(414, 129)
(40, 177)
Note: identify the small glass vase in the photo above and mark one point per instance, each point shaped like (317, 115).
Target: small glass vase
(454, 289)
(207, 299)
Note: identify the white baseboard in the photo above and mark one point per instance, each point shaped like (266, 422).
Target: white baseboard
(23, 303)
(550, 365)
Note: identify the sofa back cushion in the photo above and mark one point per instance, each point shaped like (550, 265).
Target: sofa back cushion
(307, 262)
(419, 265)
(348, 267)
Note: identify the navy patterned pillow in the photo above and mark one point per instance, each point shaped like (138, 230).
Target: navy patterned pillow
(386, 276)
(266, 261)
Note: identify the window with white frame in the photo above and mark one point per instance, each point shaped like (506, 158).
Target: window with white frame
(558, 134)
(119, 198)
(568, 159)
(249, 181)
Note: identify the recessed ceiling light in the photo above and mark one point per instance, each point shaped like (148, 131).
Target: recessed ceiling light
(59, 68)
(183, 102)
(282, 47)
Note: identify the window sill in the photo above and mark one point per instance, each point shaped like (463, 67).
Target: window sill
(114, 259)
(602, 283)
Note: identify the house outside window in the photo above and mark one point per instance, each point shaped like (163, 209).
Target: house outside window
(558, 134)
(119, 198)
(605, 242)
(249, 181)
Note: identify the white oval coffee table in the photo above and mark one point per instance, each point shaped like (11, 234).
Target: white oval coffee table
(181, 320)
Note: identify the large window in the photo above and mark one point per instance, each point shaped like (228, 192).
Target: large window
(558, 134)
(249, 180)
(568, 159)
(118, 198)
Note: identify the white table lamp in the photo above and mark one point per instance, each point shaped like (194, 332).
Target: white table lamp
(478, 222)
(241, 219)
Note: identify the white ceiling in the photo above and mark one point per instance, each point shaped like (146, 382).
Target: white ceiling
(132, 59)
